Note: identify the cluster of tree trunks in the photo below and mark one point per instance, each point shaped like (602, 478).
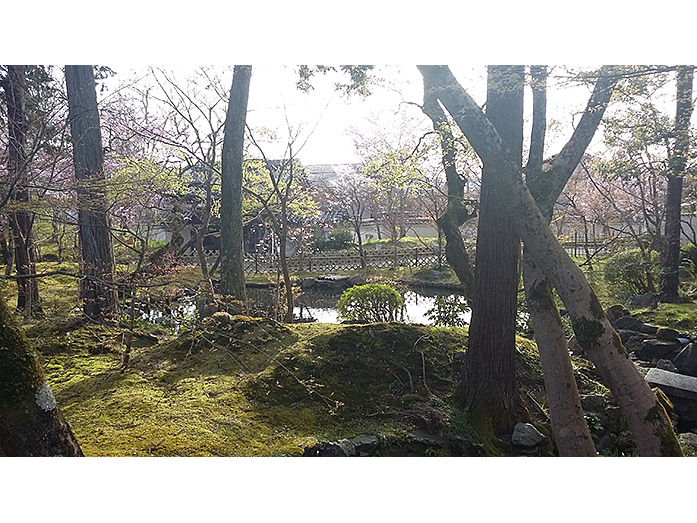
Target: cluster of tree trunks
(647, 419)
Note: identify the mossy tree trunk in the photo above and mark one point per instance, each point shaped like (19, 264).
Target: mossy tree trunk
(489, 379)
(30, 423)
(670, 255)
(97, 290)
(571, 432)
(21, 220)
(231, 235)
(647, 419)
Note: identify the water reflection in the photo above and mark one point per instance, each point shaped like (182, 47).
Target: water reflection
(310, 306)
(322, 307)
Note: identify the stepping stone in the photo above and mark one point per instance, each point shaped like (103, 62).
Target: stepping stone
(673, 384)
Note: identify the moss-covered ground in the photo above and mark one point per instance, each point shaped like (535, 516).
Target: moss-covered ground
(240, 386)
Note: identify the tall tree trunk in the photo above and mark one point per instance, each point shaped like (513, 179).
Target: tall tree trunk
(21, 220)
(489, 380)
(98, 290)
(455, 212)
(647, 419)
(231, 234)
(670, 256)
(30, 423)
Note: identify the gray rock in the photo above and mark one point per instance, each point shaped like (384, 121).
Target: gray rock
(649, 329)
(686, 360)
(365, 443)
(360, 445)
(356, 279)
(308, 283)
(342, 448)
(652, 348)
(688, 439)
(615, 312)
(642, 301)
(632, 340)
(673, 384)
(667, 334)
(526, 435)
(666, 365)
(629, 323)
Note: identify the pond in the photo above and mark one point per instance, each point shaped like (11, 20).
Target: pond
(310, 306)
(321, 307)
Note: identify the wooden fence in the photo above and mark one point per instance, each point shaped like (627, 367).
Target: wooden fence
(332, 261)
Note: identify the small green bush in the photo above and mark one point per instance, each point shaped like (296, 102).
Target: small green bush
(370, 303)
(626, 273)
(449, 311)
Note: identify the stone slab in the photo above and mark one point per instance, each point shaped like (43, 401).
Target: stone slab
(672, 383)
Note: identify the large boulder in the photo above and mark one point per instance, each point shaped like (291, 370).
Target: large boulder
(526, 435)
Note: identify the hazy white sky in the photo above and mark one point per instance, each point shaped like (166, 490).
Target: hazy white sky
(326, 121)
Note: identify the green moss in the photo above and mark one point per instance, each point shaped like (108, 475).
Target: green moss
(658, 417)
(240, 386)
(680, 316)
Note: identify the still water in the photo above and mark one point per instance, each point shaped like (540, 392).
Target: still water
(322, 307)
